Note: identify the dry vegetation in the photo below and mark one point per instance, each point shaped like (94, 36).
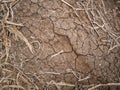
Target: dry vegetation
(99, 23)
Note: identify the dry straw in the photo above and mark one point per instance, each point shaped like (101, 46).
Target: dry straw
(8, 27)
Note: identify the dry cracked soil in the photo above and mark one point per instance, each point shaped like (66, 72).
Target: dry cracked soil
(73, 44)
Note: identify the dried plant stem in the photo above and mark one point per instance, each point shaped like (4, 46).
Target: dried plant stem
(59, 84)
(21, 36)
(101, 85)
(12, 86)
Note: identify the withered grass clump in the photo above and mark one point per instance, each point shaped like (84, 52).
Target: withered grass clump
(8, 27)
(95, 11)
(101, 10)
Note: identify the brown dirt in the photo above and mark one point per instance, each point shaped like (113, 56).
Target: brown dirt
(67, 47)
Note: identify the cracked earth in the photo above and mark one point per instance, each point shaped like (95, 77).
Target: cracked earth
(67, 47)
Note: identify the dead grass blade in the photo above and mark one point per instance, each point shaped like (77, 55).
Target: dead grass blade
(65, 84)
(12, 23)
(7, 1)
(60, 84)
(21, 36)
(7, 47)
(101, 85)
(12, 86)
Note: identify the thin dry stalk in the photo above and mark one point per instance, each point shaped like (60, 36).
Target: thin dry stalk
(56, 54)
(12, 86)
(21, 36)
(83, 79)
(52, 73)
(60, 84)
(104, 85)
